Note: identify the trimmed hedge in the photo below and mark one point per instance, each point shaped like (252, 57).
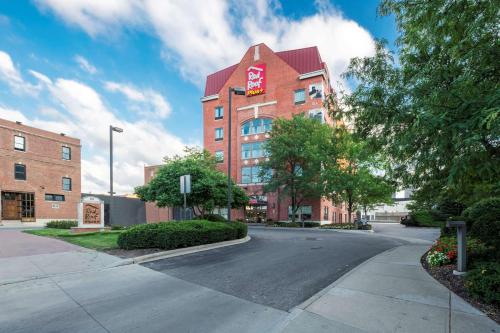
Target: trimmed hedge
(174, 235)
(295, 224)
(347, 226)
(63, 224)
(422, 218)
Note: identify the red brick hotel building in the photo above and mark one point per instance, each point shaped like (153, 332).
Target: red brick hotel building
(277, 84)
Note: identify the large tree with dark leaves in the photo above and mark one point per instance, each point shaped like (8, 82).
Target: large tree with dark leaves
(434, 110)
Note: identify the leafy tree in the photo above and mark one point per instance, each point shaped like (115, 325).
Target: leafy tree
(349, 173)
(294, 149)
(208, 185)
(374, 190)
(435, 111)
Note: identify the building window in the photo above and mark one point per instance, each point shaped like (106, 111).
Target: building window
(325, 213)
(300, 96)
(317, 114)
(251, 175)
(334, 217)
(256, 126)
(219, 156)
(66, 184)
(219, 134)
(20, 171)
(66, 153)
(253, 150)
(54, 197)
(219, 112)
(303, 213)
(19, 143)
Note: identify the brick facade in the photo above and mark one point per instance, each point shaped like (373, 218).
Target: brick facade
(155, 214)
(283, 78)
(45, 168)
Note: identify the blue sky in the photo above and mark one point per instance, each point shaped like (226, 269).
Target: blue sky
(76, 66)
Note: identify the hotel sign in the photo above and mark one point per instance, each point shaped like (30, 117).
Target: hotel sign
(256, 80)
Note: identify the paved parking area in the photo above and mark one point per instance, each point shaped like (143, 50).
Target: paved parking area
(279, 267)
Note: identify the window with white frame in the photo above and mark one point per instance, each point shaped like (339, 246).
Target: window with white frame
(252, 175)
(253, 150)
(66, 184)
(219, 112)
(299, 96)
(317, 114)
(256, 126)
(219, 156)
(19, 143)
(219, 134)
(66, 153)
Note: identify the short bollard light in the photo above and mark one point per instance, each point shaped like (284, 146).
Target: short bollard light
(461, 246)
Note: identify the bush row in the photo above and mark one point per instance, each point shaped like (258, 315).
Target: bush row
(348, 226)
(483, 282)
(173, 235)
(62, 224)
(286, 224)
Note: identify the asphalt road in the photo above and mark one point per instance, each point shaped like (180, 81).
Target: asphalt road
(279, 268)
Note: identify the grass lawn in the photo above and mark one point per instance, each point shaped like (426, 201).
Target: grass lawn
(92, 240)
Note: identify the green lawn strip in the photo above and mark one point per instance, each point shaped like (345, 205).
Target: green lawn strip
(91, 240)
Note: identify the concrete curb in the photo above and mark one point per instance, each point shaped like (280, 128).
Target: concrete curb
(178, 252)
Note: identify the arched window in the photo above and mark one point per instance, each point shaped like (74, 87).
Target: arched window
(256, 126)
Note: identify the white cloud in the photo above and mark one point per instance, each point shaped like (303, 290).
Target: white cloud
(84, 115)
(94, 16)
(146, 101)
(85, 64)
(200, 39)
(40, 77)
(12, 115)
(12, 76)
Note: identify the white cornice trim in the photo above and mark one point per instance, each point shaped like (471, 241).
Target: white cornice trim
(312, 74)
(258, 105)
(209, 98)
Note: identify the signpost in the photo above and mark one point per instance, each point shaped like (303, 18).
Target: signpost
(461, 246)
(185, 182)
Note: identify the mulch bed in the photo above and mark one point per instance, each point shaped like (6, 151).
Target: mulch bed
(125, 254)
(444, 274)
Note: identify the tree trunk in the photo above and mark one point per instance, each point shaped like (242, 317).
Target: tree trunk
(349, 207)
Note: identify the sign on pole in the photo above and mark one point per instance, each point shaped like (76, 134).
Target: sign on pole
(185, 184)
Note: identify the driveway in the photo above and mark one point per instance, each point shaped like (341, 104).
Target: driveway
(279, 267)
(244, 288)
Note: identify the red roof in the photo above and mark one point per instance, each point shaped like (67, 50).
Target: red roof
(304, 60)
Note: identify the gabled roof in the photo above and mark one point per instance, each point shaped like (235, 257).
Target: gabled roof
(304, 60)
(217, 80)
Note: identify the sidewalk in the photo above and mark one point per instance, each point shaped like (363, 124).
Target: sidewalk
(391, 292)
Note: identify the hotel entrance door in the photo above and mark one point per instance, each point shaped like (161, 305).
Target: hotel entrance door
(256, 211)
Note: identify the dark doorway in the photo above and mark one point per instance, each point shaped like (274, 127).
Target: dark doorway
(18, 206)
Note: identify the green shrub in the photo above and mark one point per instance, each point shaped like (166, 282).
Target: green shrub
(286, 224)
(483, 282)
(173, 235)
(62, 224)
(347, 226)
(485, 217)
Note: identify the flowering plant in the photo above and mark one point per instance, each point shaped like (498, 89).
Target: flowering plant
(436, 258)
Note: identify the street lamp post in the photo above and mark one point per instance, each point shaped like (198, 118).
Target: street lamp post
(111, 130)
(236, 91)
